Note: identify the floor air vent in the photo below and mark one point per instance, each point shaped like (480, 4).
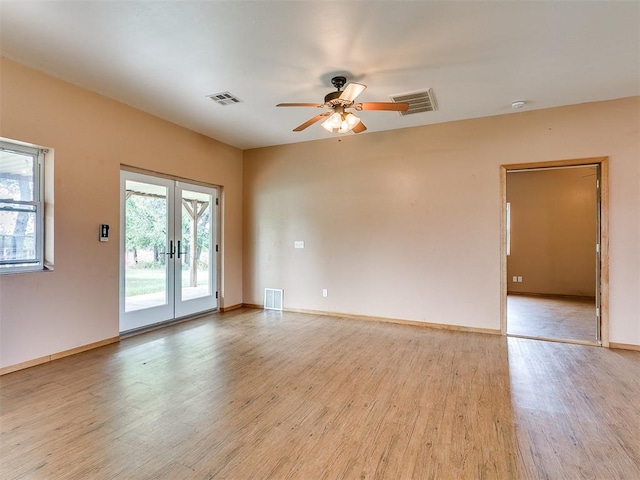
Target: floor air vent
(273, 298)
(418, 101)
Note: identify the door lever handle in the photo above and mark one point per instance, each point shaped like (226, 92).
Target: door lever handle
(171, 249)
(179, 252)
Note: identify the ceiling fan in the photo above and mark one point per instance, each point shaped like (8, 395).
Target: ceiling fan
(338, 119)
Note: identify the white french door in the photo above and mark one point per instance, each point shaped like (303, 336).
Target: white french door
(196, 249)
(168, 250)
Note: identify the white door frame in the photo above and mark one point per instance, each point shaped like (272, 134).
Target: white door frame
(174, 308)
(603, 280)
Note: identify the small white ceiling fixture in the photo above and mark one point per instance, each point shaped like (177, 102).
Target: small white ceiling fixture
(518, 104)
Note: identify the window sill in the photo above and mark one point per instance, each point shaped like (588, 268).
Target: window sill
(17, 271)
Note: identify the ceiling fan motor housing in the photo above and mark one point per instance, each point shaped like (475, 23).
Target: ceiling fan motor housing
(338, 82)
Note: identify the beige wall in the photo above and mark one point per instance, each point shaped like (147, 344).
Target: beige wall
(77, 304)
(401, 224)
(406, 224)
(554, 231)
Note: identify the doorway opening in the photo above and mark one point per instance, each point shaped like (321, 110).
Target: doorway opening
(168, 250)
(555, 251)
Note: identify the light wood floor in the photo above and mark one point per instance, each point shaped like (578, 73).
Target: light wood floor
(563, 318)
(263, 394)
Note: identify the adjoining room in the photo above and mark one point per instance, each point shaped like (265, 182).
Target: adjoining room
(553, 253)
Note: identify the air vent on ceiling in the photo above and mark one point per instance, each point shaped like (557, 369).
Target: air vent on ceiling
(224, 98)
(418, 101)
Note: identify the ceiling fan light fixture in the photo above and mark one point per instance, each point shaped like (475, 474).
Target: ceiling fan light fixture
(332, 123)
(351, 119)
(344, 127)
(336, 120)
(340, 122)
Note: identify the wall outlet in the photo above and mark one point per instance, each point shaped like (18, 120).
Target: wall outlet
(325, 293)
(515, 279)
(298, 244)
(519, 279)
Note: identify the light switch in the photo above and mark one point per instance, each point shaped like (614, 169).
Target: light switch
(298, 244)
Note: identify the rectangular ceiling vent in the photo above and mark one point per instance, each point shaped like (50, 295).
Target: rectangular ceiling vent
(418, 101)
(224, 98)
(273, 298)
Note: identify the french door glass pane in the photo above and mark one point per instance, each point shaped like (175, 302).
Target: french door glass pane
(196, 245)
(146, 263)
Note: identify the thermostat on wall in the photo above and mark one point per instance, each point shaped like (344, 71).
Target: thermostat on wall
(104, 233)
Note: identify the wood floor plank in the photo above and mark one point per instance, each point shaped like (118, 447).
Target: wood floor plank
(552, 317)
(263, 394)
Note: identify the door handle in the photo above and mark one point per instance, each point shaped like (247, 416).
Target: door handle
(171, 250)
(179, 252)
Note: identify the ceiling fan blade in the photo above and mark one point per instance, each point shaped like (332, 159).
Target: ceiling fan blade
(390, 106)
(351, 91)
(360, 127)
(308, 123)
(299, 105)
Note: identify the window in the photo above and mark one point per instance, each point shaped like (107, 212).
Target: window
(21, 208)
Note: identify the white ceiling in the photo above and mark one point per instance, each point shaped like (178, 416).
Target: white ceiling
(165, 57)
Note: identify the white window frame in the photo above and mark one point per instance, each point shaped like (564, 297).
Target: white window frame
(38, 154)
